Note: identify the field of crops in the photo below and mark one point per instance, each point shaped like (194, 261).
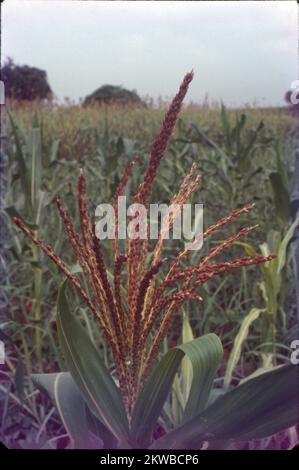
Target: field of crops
(244, 156)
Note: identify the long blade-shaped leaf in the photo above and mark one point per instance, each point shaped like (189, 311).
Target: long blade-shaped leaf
(186, 367)
(70, 406)
(257, 408)
(280, 196)
(239, 340)
(205, 354)
(89, 372)
(282, 254)
(35, 153)
(23, 171)
(183, 380)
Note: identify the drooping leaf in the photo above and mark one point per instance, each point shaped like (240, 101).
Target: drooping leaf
(70, 406)
(255, 409)
(205, 354)
(88, 370)
(239, 340)
(284, 244)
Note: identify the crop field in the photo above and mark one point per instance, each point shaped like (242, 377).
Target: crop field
(238, 323)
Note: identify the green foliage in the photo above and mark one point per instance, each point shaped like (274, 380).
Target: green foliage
(182, 381)
(242, 161)
(257, 408)
(70, 406)
(89, 372)
(205, 354)
(274, 284)
(238, 341)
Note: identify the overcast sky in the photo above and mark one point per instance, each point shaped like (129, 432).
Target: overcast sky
(241, 52)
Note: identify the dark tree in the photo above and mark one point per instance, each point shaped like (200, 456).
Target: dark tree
(113, 94)
(24, 83)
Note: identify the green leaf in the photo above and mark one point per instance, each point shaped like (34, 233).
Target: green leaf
(202, 137)
(205, 354)
(35, 158)
(226, 128)
(19, 379)
(186, 366)
(12, 212)
(99, 430)
(280, 196)
(239, 340)
(255, 409)
(25, 179)
(88, 370)
(183, 379)
(53, 156)
(70, 406)
(282, 253)
(252, 140)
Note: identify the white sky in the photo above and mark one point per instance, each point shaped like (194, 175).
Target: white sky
(241, 52)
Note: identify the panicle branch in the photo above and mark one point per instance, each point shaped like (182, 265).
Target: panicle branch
(160, 144)
(119, 192)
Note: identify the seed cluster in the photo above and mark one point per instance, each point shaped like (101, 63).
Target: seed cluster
(135, 309)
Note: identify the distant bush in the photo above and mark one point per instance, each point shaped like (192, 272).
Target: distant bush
(24, 83)
(113, 94)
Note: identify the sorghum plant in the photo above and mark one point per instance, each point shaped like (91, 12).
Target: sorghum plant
(134, 312)
(135, 327)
